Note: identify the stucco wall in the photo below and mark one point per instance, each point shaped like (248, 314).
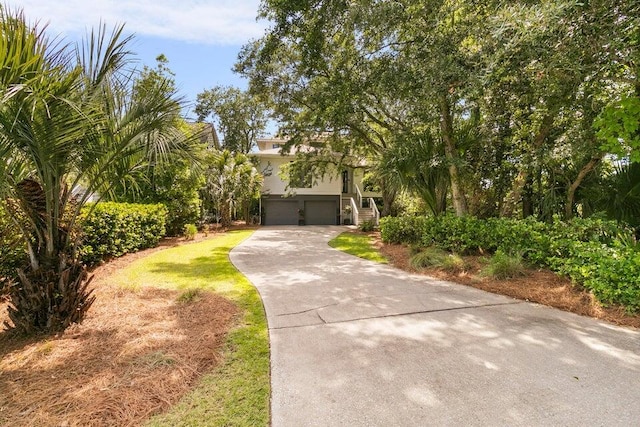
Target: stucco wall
(270, 168)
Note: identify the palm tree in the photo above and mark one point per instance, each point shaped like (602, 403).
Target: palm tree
(415, 165)
(67, 125)
(232, 181)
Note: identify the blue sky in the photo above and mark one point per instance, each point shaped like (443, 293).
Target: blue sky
(201, 38)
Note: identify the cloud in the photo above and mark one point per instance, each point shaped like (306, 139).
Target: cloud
(217, 22)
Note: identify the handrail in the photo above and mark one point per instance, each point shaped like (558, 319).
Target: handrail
(355, 214)
(358, 195)
(376, 212)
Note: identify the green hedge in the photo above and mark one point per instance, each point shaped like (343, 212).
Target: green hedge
(114, 229)
(12, 251)
(596, 253)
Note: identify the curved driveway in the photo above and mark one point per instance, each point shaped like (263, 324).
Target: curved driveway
(354, 343)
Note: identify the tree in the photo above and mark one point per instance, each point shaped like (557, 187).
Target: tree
(67, 120)
(232, 182)
(508, 92)
(173, 177)
(239, 116)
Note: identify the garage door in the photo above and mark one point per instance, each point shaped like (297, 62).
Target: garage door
(280, 212)
(320, 212)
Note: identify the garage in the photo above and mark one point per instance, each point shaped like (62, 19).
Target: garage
(320, 212)
(280, 212)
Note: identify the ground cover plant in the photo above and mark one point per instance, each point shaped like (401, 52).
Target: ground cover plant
(189, 343)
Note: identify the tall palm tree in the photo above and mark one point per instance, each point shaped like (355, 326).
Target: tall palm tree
(67, 124)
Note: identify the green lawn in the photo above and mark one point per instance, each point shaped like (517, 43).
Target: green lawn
(236, 393)
(359, 245)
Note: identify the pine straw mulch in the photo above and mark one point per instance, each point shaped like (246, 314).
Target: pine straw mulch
(135, 355)
(540, 286)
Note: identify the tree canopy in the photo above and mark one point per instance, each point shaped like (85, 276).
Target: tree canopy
(519, 105)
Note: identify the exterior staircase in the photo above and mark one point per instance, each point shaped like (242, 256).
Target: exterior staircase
(365, 213)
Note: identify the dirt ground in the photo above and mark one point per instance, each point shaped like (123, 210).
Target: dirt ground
(540, 286)
(135, 355)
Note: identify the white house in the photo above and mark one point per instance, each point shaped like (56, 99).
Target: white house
(336, 198)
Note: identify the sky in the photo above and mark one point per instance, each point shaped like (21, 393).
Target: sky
(200, 38)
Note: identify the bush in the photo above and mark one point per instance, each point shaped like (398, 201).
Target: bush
(596, 253)
(504, 266)
(113, 229)
(13, 253)
(435, 257)
(180, 214)
(404, 229)
(190, 231)
(367, 226)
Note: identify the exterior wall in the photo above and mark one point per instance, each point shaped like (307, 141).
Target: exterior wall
(273, 184)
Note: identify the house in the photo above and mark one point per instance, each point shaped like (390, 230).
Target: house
(336, 198)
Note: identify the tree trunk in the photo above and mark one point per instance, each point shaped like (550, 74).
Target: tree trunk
(388, 197)
(446, 127)
(571, 193)
(527, 199)
(515, 195)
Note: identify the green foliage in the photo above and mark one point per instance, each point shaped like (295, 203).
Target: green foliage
(232, 182)
(367, 226)
(13, 252)
(113, 229)
(619, 127)
(438, 258)
(611, 273)
(598, 254)
(359, 245)
(239, 116)
(190, 231)
(70, 127)
(621, 201)
(503, 265)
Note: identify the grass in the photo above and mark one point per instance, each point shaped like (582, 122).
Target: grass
(438, 258)
(504, 266)
(236, 392)
(360, 245)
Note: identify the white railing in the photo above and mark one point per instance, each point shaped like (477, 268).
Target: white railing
(354, 211)
(358, 195)
(376, 212)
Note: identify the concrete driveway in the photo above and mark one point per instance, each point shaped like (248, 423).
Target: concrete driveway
(354, 343)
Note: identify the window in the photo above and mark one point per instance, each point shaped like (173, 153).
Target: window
(275, 146)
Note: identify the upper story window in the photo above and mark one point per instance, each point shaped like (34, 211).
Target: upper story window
(275, 146)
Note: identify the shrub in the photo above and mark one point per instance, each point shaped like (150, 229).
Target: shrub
(503, 265)
(180, 214)
(113, 229)
(435, 257)
(404, 229)
(190, 231)
(600, 255)
(367, 226)
(13, 253)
